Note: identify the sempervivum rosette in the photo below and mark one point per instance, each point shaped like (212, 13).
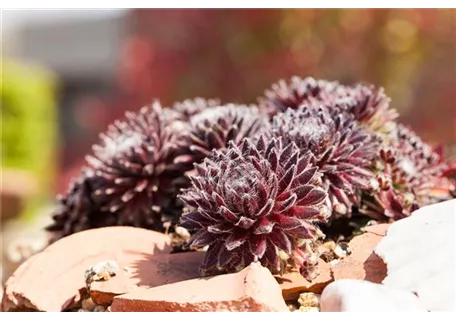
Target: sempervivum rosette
(283, 96)
(190, 107)
(370, 106)
(341, 149)
(260, 201)
(76, 210)
(411, 174)
(215, 127)
(136, 174)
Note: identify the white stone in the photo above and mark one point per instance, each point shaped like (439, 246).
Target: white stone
(353, 295)
(419, 253)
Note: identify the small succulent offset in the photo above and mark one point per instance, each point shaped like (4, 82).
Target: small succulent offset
(342, 150)
(410, 174)
(76, 210)
(260, 201)
(255, 183)
(134, 180)
(283, 96)
(368, 105)
(214, 128)
(190, 107)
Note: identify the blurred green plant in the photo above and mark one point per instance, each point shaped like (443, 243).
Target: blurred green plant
(29, 128)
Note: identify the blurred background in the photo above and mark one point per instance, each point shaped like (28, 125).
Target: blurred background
(66, 74)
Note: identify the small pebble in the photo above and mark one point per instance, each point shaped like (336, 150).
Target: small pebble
(334, 262)
(82, 310)
(340, 251)
(101, 271)
(330, 245)
(371, 223)
(309, 299)
(88, 304)
(182, 232)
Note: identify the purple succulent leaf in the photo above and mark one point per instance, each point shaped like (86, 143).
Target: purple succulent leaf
(250, 205)
(262, 195)
(287, 222)
(266, 210)
(287, 179)
(304, 162)
(197, 141)
(302, 191)
(273, 160)
(315, 196)
(206, 215)
(214, 140)
(286, 153)
(272, 255)
(356, 181)
(228, 215)
(263, 225)
(232, 133)
(198, 149)
(236, 239)
(304, 231)
(306, 176)
(202, 239)
(192, 220)
(326, 156)
(283, 206)
(217, 198)
(261, 144)
(252, 128)
(220, 228)
(211, 257)
(258, 245)
(292, 161)
(304, 212)
(280, 239)
(258, 166)
(337, 180)
(362, 172)
(225, 257)
(270, 148)
(245, 223)
(248, 258)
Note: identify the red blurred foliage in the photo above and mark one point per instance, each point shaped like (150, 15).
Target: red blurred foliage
(235, 54)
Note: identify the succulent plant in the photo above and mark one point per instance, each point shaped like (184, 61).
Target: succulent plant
(259, 201)
(215, 127)
(138, 169)
(76, 210)
(341, 149)
(190, 107)
(410, 174)
(283, 96)
(369, 105)
(255, 183)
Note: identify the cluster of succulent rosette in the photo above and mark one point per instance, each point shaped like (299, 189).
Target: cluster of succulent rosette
(256, 182)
